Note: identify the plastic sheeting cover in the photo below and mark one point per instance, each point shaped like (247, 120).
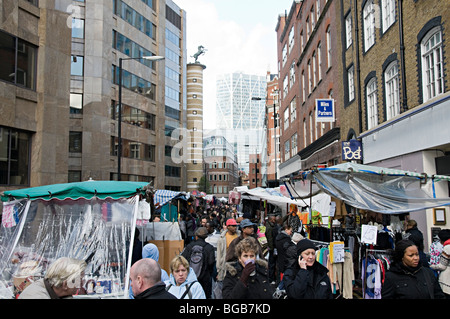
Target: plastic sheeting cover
(97, 231)
(378, 190)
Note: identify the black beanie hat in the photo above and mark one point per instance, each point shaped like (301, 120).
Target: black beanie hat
(303, 245)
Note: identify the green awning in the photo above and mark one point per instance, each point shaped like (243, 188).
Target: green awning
(88, 189)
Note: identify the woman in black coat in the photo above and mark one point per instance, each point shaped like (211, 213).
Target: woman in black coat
(247, 278)
(407, 278)
(307, 279)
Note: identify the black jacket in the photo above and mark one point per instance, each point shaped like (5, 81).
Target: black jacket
(208, 263)
(258, 286)
(158, 291)
(406, 283)
(281, 242)
(311, 283)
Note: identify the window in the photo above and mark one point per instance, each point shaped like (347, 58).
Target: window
(292, 75)
(432, 64)
(286, 118)
(291, 39)
(314, 58)
(311, 128)
(77, 28)
(387, 13)
(348, 30)
(329, 50)
(303, 86)
(310, 84)
(351, 84)
(284, 54)
(76, 67)
(75, 142)
(294, 144)
(293, 110)
(372, 106)
(14, 157)
(286, 150)
(391, 79)
(319, 61)
(18, 62)
(369, 25)
(304, 132)
(76, 103)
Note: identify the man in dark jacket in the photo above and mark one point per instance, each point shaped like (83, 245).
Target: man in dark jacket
(204, 276)
(145, 275)
(413, 234)
(281, 243)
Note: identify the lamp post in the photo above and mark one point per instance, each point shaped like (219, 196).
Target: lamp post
(119, 128)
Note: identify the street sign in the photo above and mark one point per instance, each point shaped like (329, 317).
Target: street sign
(325, 110)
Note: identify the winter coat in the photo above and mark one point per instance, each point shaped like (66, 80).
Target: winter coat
(208, 263)
(310, 283)
(402, 282)
(196, 289)
(152, 251)
(444, 270)
(158, 291)
(281, 242)
(231, 254)
(258, 286)
(221, 255)
(38, 290)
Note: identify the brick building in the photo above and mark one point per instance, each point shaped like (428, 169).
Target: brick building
(309, 70)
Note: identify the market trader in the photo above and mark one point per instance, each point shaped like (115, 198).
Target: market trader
(62, 280)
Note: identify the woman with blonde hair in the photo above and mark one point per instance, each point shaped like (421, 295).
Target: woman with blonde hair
(62, 280)
(183, 282)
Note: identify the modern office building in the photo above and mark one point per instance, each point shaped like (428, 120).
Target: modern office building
(60, 97)
(240, 118)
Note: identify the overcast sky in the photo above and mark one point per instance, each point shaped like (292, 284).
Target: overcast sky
(239, 36)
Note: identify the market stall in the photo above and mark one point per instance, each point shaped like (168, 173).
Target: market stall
(382, 199)
(93, 221)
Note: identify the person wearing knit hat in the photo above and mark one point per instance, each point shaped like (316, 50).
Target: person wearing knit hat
(306, 278)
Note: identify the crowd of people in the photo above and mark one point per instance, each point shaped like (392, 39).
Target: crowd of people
(228, 255)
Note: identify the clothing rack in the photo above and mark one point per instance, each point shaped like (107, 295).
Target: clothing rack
(371, 250)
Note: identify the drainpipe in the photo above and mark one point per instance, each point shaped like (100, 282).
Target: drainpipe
(402, 55)
(358, 69)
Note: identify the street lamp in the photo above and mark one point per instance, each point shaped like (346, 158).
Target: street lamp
(119, 128)
(275, 125)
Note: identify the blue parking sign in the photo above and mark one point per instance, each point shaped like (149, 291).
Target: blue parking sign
(325, 110)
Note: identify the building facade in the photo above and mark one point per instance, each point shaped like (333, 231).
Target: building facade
(220, 165)
(402, 92)
(67, 121)
(240, 118)
(308, 70)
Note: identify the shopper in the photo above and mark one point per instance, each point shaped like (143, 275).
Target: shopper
(281, 242)
(63, 279)
(307, 279)
(146, 282)
(151, 251)
(247, 277)
(415, 235)
(407, 278)
(248, 229)
(442, 267)
(183, 282)
(226, 237)
(201, 257)
(270, 225)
